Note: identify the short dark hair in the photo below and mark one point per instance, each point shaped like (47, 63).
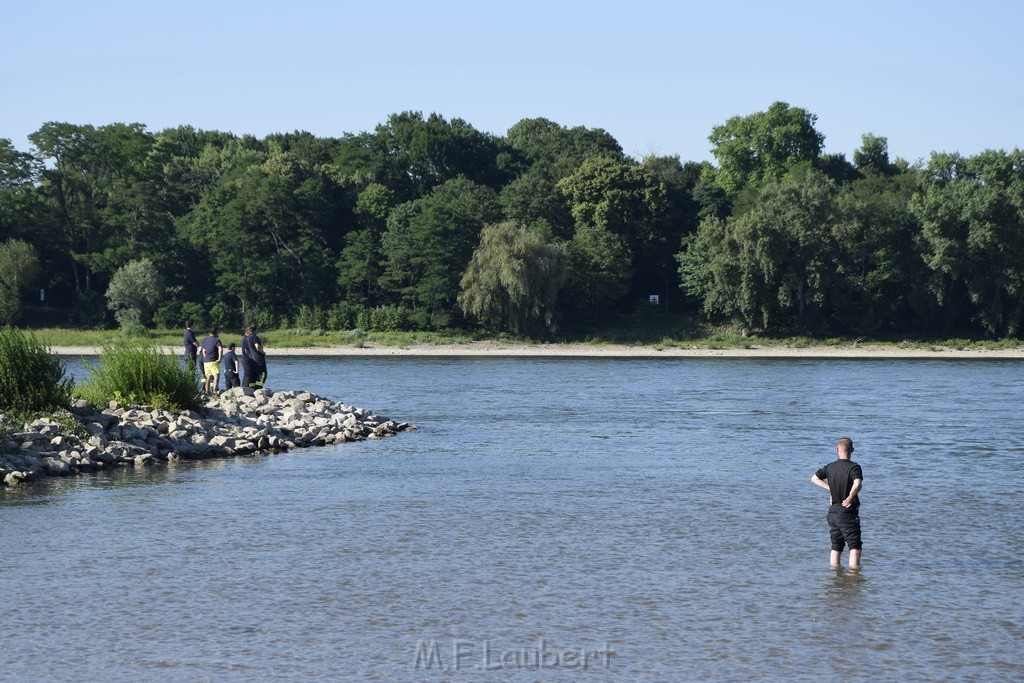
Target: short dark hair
(231, 346)
(214, 331)
(190, 323)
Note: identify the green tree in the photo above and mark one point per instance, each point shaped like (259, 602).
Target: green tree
(972, 217)
(880, 240)
(512, 281)
(304, 146)
(19, 202)
(191, 162)
(873, 156)
(134, 292)
(684, 209)
(761, 147)
(19, 272)
(267, 228)
(533, 200)
(618, 209)
(428, 244)
(411, 154)
(104, 196)
(16, 168)
(562, 149)
(600, 269)
(360, 263)
(777, 266)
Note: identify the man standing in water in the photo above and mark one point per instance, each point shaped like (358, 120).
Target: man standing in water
(842, 479)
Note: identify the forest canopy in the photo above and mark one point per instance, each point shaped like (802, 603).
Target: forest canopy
(426, 223)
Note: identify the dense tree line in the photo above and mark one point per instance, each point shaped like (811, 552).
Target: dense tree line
(428, 223)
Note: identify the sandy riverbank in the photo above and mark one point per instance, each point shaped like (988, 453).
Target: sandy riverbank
(611, 351)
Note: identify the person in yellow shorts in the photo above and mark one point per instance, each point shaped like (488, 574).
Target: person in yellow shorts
(211, 350)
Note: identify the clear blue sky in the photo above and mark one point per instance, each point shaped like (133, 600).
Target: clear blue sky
(945, 76)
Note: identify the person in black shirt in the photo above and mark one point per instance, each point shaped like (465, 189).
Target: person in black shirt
(254, 359)
(191, 346)
(843, 480)
(211, 348)
(230, 367)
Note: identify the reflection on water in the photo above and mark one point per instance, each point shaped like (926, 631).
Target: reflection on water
(661, 508)
(846, 582)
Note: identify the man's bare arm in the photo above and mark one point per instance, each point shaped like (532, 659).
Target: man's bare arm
(821, 482)
(848, 501)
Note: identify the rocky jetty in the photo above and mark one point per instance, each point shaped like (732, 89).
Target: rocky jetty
(240, 422)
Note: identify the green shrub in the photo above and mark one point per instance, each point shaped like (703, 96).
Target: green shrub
(342, 315)
(311, 318)
(130, 322)
(263, 319)
(135, 372)
(384, 319)
(90, 311)
(31, 378)
(173, 313)
(223, 316)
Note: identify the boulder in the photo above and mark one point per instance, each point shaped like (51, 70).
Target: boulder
(56, 467)
(33, 461)
(14, 478)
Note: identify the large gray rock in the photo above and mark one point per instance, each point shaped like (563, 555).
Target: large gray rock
(33, 461)
(56, 467)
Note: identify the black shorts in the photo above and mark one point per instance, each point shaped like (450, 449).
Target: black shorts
(844, 529)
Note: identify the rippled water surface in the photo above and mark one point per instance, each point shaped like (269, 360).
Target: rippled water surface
(656, 509)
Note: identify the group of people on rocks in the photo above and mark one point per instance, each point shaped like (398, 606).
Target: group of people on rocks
(208, 355)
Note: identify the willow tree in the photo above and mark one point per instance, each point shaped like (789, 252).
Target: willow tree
(512, 281)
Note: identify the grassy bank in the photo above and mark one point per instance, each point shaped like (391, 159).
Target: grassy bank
(710, 338)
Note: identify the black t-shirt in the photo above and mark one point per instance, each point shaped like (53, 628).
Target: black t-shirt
(209, 348)
(249, 348)
(190, 343)
(229, 361)
(840, 475)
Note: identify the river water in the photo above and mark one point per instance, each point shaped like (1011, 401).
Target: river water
(551, 519)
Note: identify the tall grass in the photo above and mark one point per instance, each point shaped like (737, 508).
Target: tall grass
(135, 372)
(31, 378)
